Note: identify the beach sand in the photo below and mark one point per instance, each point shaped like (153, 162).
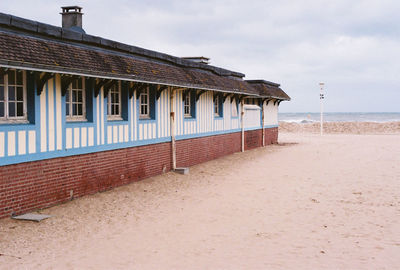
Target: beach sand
(311, 202)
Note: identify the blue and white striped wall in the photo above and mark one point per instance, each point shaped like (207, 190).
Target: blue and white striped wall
(52, 136)
(205, 123)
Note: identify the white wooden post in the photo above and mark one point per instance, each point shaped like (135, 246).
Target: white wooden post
(321, 98)
(172, 127)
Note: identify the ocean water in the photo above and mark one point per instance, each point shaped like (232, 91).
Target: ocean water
(339, 117)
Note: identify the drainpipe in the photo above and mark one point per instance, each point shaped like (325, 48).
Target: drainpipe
(262, 123)
(242, 122)
(172, 127)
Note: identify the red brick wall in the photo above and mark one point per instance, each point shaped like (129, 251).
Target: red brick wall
(252, 139)
(39, 184)
(194, 151)
(271, 135)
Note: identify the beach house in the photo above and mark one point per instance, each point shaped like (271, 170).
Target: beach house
(81, 114)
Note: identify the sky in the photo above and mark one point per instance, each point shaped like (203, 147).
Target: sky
(351, 46)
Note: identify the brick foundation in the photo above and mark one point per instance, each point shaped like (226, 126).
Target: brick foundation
(194, 151)
(39, 184)
(271, 136)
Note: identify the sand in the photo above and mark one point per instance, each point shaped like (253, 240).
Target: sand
(312, 202)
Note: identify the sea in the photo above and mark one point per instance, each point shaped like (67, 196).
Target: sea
(340, 117)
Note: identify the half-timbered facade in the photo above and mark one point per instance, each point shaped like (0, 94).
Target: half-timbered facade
(81, 114)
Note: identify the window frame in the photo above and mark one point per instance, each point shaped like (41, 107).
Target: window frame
(146, 115)
(6, 119)
(76, 118)
(114, 117)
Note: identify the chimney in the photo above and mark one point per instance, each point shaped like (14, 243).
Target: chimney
(72, 18)
(198, 59)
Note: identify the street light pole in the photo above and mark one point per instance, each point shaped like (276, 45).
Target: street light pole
(321, 98)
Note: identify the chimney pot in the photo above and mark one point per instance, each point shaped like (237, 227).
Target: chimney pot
(72, 18)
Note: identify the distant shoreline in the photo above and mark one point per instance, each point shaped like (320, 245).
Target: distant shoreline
(382, 117)
(344, 127)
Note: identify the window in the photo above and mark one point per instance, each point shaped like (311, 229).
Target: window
(251, 101)
(147, 103)
(189, 104)
(13, 96)
(114, 103)
(186, 105)
(144, 104)
(217, 106)
(75, 101)
(234, 108)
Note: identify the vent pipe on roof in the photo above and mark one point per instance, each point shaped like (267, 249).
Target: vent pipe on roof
(72, 18)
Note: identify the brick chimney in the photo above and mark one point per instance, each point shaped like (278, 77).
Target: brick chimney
(72, 18)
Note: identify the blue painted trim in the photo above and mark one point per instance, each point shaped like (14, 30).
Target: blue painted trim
(5, 145)
(55, 112)
(116, 122)
(37, 119)
(144, 121)
(206, 134)
(270, 126)
(77, 151)
(252, 128)
(265, 127)
(64, 123)
(15, 127)
(47, 116)
(189, 119)
(78, 124)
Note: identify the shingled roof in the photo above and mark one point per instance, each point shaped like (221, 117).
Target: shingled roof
(268, 89)
(33, 45)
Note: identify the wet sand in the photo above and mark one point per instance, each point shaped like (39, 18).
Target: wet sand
(312, 202)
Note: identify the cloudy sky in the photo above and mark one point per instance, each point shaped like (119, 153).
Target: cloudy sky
(351, 46)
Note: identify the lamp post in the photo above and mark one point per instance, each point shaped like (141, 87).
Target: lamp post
(321, 98)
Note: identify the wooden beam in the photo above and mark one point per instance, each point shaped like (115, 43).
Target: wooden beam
(276, 101)
(3, 71)
(184, 94)
(98, 85)
(107, 86)
(139, 88)
(217, 94)
(199, 94)
(226, 95)
(234, 96)
(130, 89)
(65, 82)
(41, 80)
(161, 88)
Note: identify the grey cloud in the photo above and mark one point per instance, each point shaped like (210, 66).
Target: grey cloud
(350, 45)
